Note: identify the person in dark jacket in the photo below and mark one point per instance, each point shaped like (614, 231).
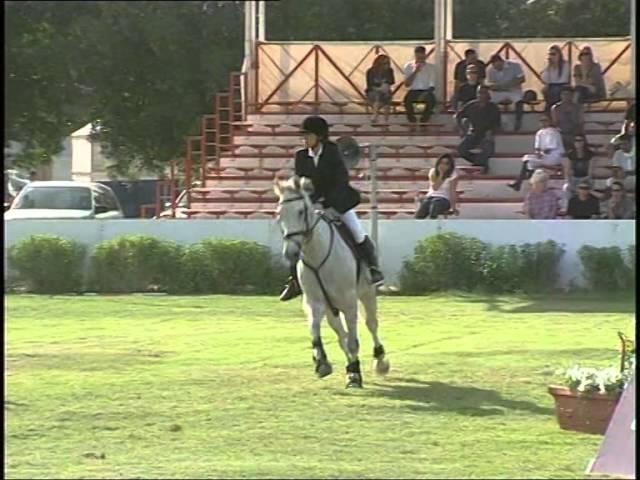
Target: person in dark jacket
(321, 162)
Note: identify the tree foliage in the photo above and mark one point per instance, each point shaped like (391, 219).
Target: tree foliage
(148, 70)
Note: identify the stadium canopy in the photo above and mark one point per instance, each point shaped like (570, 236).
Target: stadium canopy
(255, 31)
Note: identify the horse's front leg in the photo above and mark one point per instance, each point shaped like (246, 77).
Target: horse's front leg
(354, 374)
(315, 312)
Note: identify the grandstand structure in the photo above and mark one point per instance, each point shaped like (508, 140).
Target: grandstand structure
(253, 130)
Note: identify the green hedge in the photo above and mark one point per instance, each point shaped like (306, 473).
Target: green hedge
(48, 264)
(449, 261)
(136, 263)
(607, 269)
(231, 266)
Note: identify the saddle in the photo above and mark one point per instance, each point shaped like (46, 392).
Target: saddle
(347, 236)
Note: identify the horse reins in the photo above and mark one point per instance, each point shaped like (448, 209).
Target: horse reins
(305, 234)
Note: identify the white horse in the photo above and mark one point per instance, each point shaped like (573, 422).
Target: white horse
(328, 276)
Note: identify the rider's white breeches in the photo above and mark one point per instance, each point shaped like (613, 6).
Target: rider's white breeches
(353, 222)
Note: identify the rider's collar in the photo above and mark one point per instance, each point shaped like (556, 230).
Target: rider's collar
(316, 156)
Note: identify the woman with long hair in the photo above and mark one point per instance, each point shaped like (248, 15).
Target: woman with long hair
(441, 197)
(555, 76)
(588, 78)
(380, 79)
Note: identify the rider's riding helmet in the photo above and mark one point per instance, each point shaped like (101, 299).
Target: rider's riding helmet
(316, 125)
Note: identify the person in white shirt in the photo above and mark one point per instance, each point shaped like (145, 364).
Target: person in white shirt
(505, 79)
(549, 152)
(624, 159)
(555, 76)
(419, 78)
(441, 197)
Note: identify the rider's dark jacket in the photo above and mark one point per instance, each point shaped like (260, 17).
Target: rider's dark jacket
(330, 178)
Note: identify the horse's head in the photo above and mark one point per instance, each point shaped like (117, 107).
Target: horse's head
(295, 214)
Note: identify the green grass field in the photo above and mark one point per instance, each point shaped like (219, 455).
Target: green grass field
(220, 386)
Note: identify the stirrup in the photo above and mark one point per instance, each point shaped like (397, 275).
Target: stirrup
(377, 278)
(292, 290)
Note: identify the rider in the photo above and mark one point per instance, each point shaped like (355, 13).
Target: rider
(321, 162)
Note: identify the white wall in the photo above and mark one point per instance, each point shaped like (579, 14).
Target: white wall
(397, 237)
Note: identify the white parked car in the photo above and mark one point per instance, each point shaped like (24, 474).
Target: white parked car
(64, 200)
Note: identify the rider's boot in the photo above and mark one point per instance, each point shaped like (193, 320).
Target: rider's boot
(368, 251)
(292, 288)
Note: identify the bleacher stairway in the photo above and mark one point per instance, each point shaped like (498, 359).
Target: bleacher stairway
(238, 182)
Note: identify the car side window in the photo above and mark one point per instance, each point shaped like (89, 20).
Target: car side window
(106, 199)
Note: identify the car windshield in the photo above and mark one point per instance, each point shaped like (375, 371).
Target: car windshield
(56, 198)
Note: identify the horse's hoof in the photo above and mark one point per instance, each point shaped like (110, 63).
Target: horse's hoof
(354, 381)
(324, 369)
(381, 366)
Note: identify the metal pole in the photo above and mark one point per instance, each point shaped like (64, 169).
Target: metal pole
(261, 20)
(437, 38)
(373, 157)
(247, 30)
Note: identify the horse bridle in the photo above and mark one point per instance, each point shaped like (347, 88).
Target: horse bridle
(305, 235)
(308, 230)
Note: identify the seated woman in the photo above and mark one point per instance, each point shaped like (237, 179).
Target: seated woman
(555, 76)
(578, 166)
(588, 79)
(380, 79)
(441, 197)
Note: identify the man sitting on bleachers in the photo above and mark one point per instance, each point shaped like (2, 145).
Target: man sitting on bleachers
(420, 82)
(568, 117)
(505, 79)
(461, 70)
(469, 89)
(548, 149)
(624, 161)
(478, 121)
(583, 205)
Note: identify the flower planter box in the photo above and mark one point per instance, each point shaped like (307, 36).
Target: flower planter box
(584, 412)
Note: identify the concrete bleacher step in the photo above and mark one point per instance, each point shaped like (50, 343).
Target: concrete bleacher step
(530, 119)
(504, 143)
(510, 210)
(499, 165)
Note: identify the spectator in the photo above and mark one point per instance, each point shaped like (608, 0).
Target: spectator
(583, 205)
(505, 79)
(568, 117)
(578, 167)
(468, 90)
(588, 79)
(441, 197)
(478, 121)
(380, 79)
(540, 203)
(548, 150)
(555, 76)
(619, 206)
(460, 70)
(624, 161)
(628, 128)
(420, 82)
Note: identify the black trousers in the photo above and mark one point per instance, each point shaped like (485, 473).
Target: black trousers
(417, 96)
(433, 207)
